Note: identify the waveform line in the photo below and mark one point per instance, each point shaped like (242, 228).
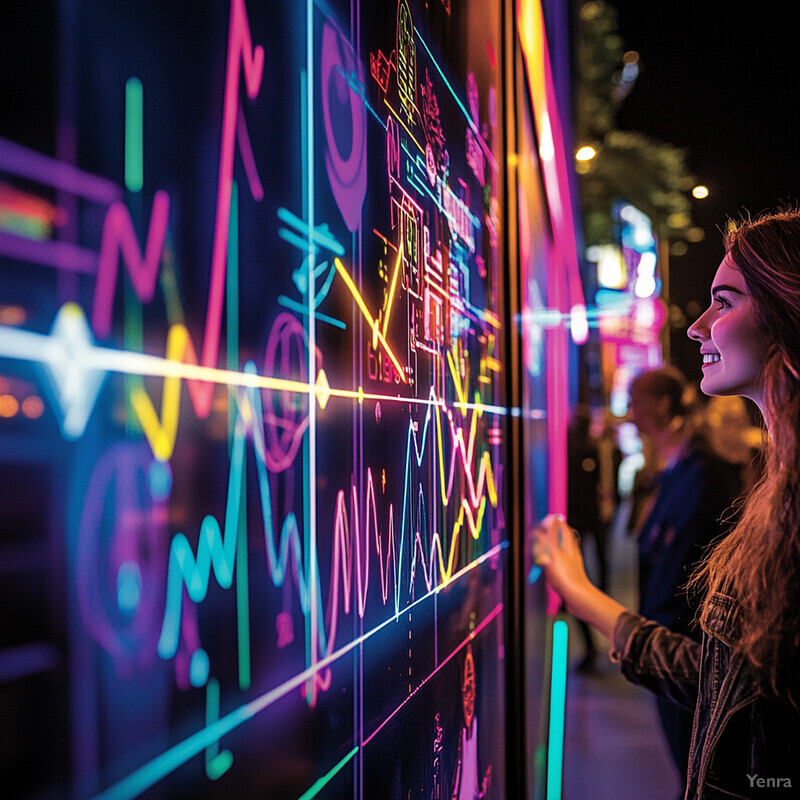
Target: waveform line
(162, 765)
(20, 344)
(216, 548)
(119, 237)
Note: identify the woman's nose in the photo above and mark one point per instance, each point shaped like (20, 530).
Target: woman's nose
(698, 330)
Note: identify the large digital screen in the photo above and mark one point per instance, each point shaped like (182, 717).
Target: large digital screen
(255, 399)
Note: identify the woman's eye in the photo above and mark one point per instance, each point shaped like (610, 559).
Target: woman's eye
(723, 303)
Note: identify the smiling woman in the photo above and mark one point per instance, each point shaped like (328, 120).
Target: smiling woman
(743, 680)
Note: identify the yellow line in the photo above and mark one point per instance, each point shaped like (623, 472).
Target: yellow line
(388, 308)
(411, 135)
(340, 268)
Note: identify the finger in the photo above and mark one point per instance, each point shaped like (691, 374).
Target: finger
(568, 537)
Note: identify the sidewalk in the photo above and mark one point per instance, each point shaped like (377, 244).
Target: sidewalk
(613, 746)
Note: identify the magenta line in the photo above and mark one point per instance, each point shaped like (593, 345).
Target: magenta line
(118, 233)
(492, 614)
(248, 159)
(18, 160)
(60, 255)
(240, 50)
(119, 236)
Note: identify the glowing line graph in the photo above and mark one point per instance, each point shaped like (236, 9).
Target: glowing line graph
(162, 765)
(216, 549)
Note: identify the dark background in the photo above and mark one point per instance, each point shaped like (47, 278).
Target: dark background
(721, 82)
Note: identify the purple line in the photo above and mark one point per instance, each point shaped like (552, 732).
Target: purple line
(18, 160)
(61, 255)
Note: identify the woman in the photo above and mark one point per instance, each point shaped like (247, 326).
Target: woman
(743, 680)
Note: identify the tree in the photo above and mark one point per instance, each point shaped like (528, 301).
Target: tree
(650, 174)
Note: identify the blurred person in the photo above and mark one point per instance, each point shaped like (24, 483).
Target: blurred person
(743, 678)
(610, 460)
(693, 488)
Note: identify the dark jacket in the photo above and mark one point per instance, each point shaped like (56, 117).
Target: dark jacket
(690, 499)
(745, 742)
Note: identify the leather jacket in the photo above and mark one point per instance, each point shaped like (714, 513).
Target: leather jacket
(745, 742)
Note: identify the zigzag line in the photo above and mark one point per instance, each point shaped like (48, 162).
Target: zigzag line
(216, 548)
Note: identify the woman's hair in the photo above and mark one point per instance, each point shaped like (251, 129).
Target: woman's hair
(759, 561)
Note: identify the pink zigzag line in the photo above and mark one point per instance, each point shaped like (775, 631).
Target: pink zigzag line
(118, 233)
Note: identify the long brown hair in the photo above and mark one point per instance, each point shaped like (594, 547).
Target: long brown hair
(759, 562)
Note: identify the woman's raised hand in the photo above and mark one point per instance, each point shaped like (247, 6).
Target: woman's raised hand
(556, 548)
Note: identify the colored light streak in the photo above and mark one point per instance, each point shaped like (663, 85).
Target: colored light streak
(558, 696)
(48, 253)
(320, 784)
(377, 335)
(134, 135)
(313, 623)
(167, 762)
(216, 548)
(554, 161)
(51, 349)
(33, 166)
(161, 766)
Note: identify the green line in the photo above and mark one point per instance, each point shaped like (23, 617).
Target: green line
(314, 790)
(447, 83)
(134, 135)
(232, 301)
(133, 337)
(558, 696)
(232, 356)
(217, 764)
(242, 595)
(134, 180)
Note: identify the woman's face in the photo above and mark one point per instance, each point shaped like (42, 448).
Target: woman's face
(733, 346)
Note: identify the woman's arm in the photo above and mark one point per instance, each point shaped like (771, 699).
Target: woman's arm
(667, 663)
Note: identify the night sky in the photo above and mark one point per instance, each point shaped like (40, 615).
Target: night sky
(722, 83)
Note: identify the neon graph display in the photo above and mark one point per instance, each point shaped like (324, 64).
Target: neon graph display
(257, 279)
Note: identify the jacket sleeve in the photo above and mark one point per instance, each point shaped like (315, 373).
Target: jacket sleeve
(652, 656)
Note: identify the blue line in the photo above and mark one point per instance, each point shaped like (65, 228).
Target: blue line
(297, 241)
(286, 302)
(162, 765)
(447, 83)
